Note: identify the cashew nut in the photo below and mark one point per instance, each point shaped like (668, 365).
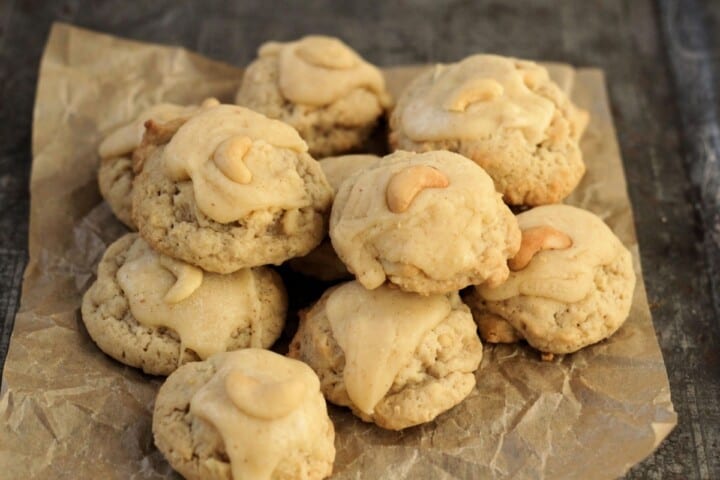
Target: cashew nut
(476, 90)
(326, 52)
(264, 400)
(188, 279)
(536, 239)
(405, 185)
(229, 159)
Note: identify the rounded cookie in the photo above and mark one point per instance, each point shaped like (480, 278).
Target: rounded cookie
(321, 87)
(152, 312)
(244, 414)
(115, 175)
(505, 114)
(428, 222)
(572, 285)
(229, 189)
(396, 359)
(322, 263)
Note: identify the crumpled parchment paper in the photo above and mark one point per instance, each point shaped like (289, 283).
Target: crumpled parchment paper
(68, 411)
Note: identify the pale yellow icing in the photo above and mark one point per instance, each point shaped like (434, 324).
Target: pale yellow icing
(379, 330)
(264, 406)
(318, 70)
(565, 275)
(232, 156)
(458, 215)
(337, 169)
(128, 137)
(203, 308)
(477, 96)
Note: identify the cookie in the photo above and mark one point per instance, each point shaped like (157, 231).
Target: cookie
(229, 189)
(572, 284)
(396, 359)
(321, 87)
(152, 312)
(322, 263)
(505, 114)
(245, 414)
(427, 222)
(115, 175)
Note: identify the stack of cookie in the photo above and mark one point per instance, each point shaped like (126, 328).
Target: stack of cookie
(397, 345)
(218, 192)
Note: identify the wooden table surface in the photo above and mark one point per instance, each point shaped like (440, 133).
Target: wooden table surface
(662, 60)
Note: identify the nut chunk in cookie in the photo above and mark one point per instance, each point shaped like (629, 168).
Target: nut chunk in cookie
(428, 223)
(156, 313)
(321, 87)
(571, 284)
(396, 359)
(230, 189)
(115, 175)
(505, 114)
(249, 414)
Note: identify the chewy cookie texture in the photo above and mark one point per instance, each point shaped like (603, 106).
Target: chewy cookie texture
(572, 285)
(155, 313)
(428, 223)
(231, 189)
(321, 87)
(249, 414)
(396, 359)
(504, 114)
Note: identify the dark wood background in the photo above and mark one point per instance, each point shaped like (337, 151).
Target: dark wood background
(662, 60)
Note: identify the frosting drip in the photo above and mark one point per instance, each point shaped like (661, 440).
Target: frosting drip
(379, 330)
(477, 96)
(318, 70)
(205, 309)
(565, 275)
(264, 406)
(238, 162)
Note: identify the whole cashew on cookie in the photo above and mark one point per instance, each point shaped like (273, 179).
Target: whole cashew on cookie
(406, 184)
(535, 240)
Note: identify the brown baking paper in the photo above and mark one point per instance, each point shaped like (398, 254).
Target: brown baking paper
(68, 411)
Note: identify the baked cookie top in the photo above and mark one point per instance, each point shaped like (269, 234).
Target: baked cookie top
(236, 161)
(571, 286)
(266, 409)
(395, 352)
(430, 223)
(561, 247)
(203, 308)
(318, 70)
(321, 87)
(153, 312)
(228, 189)
(505, 114)
(477, 96)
